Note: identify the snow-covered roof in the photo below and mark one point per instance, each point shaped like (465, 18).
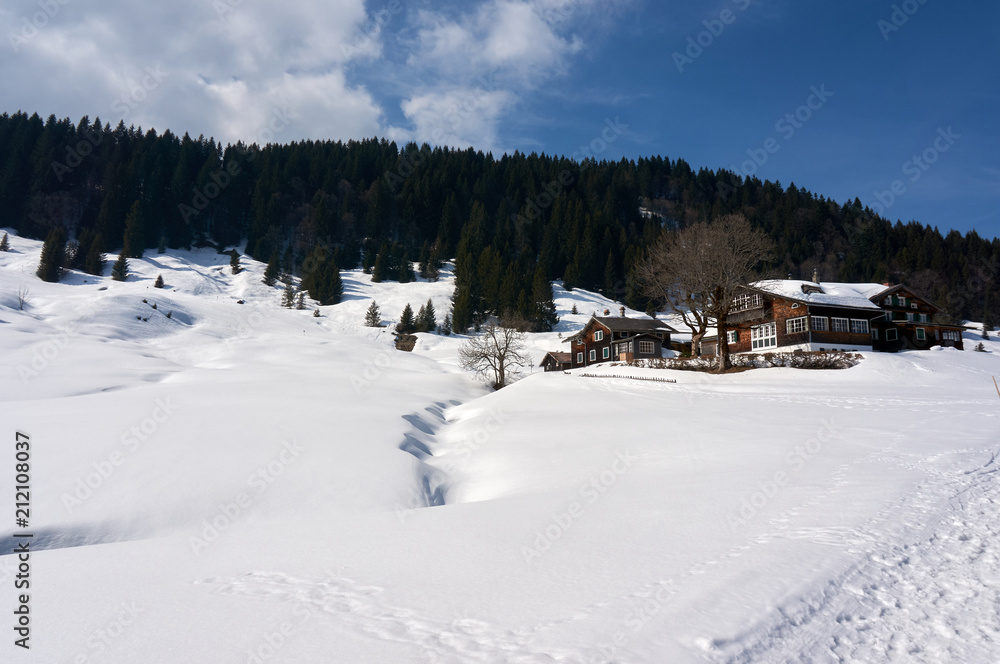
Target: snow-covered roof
(856, 296)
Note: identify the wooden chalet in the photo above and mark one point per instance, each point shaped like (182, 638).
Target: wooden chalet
(606, 338)
(793, 315)
(909, 322)
(556, 361)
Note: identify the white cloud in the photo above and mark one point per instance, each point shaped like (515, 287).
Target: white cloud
(472, 70)
(223, 66)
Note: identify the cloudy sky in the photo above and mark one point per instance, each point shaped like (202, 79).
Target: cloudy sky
(895, 103)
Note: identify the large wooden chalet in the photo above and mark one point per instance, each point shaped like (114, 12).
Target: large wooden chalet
(606, 338)
(793, 315)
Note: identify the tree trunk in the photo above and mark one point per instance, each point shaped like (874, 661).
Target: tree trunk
(724, 362)
(696, 344)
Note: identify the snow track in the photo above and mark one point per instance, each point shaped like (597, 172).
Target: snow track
(931, 596)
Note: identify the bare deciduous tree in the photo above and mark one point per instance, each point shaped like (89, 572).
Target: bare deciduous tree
(22, 297)
(497, 353)
(698, 271)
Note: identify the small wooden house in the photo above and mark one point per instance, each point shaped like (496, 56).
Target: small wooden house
(606, 338)
(556, 361)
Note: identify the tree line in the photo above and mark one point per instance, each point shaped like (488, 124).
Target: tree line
(513, 223)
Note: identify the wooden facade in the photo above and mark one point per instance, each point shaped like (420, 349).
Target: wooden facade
(619, 338)
(809, 316)
(555, 361)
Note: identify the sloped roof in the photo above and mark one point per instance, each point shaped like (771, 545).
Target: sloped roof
(558, 356)
(626, 324)
(853, 296)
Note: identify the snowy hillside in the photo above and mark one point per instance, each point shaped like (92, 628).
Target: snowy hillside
(247, 483)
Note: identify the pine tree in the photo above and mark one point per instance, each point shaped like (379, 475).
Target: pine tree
(50, 266)
(406, 324)
(300, 303)
(373, 317)
(288, 295)
(4, 243)
(95, 257)
(379, 272)
(426, 318)
(574, 310)
(234, 262)
(134, 229)
(271, 272)
(159, 281)
(119, 271)
(543, 314)
(445, 328)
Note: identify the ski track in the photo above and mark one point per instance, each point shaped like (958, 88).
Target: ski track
(360, 608)
(909, 598)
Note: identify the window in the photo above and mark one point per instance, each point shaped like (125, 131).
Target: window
(579, 358)
(599, 335)
(875, 334)
(796, 325)
(795, 305)
(764, 336)
(921, 335)
(950, 335)
(593, 355)
(645, 347)
(859, 326)
(891, 334)
(747, 301)
(913, 305)
(840, 325)
(732, 337)
(819, 324)
(606, 352)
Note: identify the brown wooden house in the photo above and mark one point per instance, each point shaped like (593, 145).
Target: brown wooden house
(555, 361)
(606, 338)
(794, 315)
(909, 322)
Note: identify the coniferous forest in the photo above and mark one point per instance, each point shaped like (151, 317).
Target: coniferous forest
(512, 222)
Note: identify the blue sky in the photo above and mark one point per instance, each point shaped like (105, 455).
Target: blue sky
(891, 102)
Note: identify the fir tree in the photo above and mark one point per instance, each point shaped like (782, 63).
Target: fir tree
(4, 243)
(50, 266)
(288, 295)
(95, 257)
(119, 271)
(134, 228)
(543, 314)
(300, 303)
(159, 281)
(271, 272)
(445, 328)
(406, 324)
(574, 310)
(234, 262)
(426, 318)
(373, 317)
(379, 272)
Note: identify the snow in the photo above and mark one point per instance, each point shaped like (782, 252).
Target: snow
(314, 495)
(856, 296)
